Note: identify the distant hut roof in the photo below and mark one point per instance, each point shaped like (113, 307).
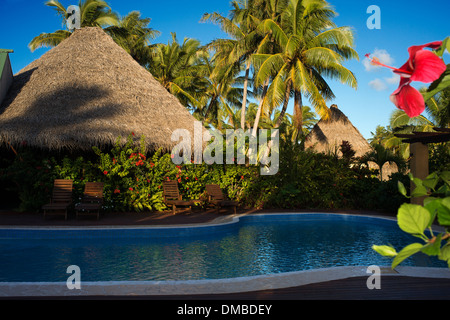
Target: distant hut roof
(328, 135)
(89, 91)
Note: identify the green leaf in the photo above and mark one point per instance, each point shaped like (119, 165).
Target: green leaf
(445, 176)
(444, 212)
(413, 219)
(402, 189)
(385, 251)
(443, 190)
(438, 85)
(431, 181)
(445, 254)
(445, 45)
(406, 253)
(432, 205)
(433, 249)
(420, 190)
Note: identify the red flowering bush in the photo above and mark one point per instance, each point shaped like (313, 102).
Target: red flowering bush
(133, 182)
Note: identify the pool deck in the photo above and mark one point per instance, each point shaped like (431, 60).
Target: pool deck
(337, 284)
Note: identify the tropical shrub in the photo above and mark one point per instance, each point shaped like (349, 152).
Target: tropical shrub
(133, 182)
(417, 220)
(133, 179)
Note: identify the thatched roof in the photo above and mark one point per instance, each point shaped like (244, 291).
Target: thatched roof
(89, 91)
(328, 135)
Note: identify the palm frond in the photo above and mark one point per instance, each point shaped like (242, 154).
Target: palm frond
(59, 8)
(48, 39)
(267, 66)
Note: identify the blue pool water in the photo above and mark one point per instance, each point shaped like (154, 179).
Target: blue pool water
(256, 245)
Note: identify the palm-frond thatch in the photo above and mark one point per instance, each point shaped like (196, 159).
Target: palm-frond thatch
(328, 135)
(89, 91)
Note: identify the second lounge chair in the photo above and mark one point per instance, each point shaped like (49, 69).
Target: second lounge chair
(218, 199)
(92, 201)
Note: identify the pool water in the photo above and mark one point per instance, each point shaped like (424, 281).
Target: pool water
(256, 245)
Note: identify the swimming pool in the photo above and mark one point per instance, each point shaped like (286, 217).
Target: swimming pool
(248, 246)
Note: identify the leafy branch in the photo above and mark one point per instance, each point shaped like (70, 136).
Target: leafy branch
(416, 219)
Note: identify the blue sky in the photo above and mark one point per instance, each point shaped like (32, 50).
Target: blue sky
(403, 24)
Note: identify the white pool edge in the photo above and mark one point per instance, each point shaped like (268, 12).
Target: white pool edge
(208, 287)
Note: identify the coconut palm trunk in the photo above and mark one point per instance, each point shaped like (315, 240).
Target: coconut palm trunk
(298, 114)
(285, 104)
(261, 103)
(244, 97)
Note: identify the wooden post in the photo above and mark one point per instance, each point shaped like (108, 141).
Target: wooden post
(419, 165)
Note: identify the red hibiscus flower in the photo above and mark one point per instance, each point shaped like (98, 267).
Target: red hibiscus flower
(423, 66)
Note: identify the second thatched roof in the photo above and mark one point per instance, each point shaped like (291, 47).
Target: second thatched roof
(89, 91)
(328, 135)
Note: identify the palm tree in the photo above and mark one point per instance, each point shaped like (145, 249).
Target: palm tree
(288, 128)
(309, 46)
(242, 26)
(133, 34)
(243, 43)
(221, 91)
(381, 155)
(176, 66)
(94, 13)
(272, 10)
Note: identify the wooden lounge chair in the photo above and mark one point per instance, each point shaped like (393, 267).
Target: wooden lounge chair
(218, 199)
(172, 197)
(92, 201)
(61, 198)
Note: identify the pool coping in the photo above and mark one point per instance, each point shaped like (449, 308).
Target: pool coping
(208, 287)
(216, 222)
(197, 287)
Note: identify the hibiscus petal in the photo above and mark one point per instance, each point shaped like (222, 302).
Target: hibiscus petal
(428, 67)
(403, 82)
(432, 45)
(409, 100)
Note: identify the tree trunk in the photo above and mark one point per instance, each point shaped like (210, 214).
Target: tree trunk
(298, 113)
(258, 116)
(258, 113)
(285, 105)
(244, 97)
(205, 117)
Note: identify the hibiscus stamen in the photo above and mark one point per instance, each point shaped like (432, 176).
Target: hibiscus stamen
(376, 61)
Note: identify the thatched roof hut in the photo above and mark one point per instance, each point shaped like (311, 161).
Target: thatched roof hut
(89, 91)
(328, 135)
